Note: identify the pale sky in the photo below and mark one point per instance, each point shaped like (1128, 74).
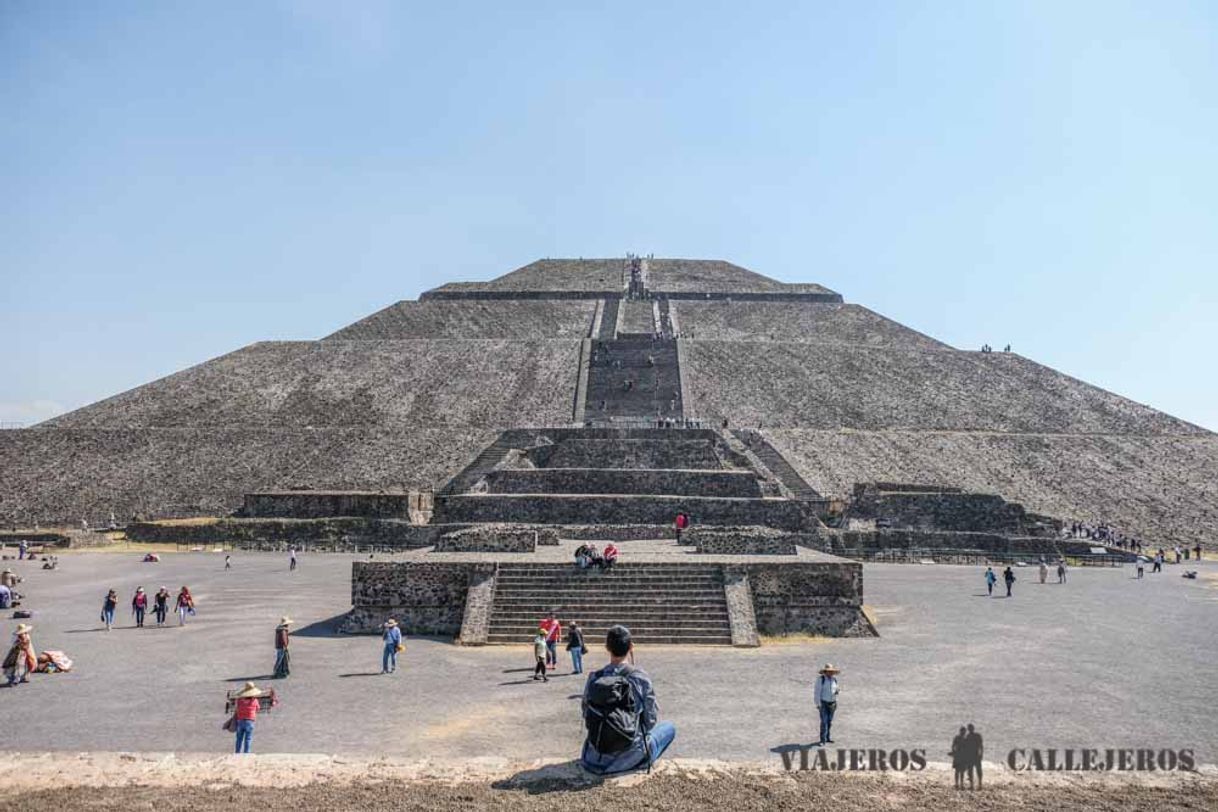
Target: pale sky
(178, 180)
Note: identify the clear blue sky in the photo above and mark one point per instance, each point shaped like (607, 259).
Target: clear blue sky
(178, 180)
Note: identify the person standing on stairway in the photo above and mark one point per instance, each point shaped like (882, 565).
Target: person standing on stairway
(682, 522)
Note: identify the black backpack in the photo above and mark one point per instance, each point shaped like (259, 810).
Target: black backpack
(610, 712)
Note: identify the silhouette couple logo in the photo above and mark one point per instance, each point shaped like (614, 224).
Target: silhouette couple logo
(966, 754)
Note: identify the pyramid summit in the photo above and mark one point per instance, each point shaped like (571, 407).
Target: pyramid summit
(824, 394)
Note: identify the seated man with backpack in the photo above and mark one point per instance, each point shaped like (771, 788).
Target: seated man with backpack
(620, 714)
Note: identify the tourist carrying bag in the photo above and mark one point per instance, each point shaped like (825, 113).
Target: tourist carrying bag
(610, 713)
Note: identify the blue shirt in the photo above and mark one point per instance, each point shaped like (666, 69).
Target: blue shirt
(392, 636)
(636, 754)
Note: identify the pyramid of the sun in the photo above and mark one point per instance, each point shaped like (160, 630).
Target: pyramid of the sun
(407, 397)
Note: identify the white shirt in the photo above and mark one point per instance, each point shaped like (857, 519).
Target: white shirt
(826, 689)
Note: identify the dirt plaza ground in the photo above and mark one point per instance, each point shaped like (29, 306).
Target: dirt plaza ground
(1104, 661)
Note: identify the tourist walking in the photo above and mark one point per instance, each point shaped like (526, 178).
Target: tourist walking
(185, 605)
(1009, 577)
(621, 714)
(1061, 571)
(541, 652)
(139, 605)
(22, 547)
(108, 606)
(1044, 570)
(1141, 567)
(576, 647)
(1197, 551)
(391, 636)
(553, 629)
(291, 559)
(282, 660)
(20, 660)
(1158, 562)
(246, 714)
(160, 605)
(228, 562)
(990, 579)
(824, 694)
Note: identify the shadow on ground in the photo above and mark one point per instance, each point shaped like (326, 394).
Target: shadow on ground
(567, 776)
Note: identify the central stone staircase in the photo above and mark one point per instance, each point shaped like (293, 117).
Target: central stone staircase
(677, 603)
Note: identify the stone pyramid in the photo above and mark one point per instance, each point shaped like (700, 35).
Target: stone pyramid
(408, 397)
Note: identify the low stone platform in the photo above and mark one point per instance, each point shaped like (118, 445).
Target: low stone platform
(667, 593)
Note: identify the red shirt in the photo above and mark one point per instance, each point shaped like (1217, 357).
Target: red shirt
(682, 521)
(611, 551)
(552, 627)
(247, 709)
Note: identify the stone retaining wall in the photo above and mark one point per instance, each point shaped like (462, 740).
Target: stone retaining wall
(750, 541)
(567, 509)
(739, 484)
(823, 598)
(496, 539)
(813, 598)
(336, 534)
(854, 541)
(425, 598)
(941, 509)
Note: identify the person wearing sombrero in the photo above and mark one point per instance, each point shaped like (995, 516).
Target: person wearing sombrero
(825, 696)
(245, 715)
(20, 660)
(282, 660)
(391, 635)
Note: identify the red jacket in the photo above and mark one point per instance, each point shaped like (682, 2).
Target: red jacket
(247, 709)
(553, 629)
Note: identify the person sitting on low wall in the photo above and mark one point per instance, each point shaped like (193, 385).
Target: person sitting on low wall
(621, 714)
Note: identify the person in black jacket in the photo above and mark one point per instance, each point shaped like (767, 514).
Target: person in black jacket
(576, 647)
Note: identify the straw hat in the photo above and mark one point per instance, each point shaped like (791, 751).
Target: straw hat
(285, 621)
(391, 622)
(250, 691)
(22, 628)
(830, 668)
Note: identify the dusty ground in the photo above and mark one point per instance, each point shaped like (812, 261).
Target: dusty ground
(301, 783)
(1104, 661)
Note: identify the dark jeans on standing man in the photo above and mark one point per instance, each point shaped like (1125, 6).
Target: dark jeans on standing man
(827, 709)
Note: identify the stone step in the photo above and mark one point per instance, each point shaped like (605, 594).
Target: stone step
(646, 591)
(620, 509)
(600, 625)
(590, 613)
(652, 640)
(548, 599)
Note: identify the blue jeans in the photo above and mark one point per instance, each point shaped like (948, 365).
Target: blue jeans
(827, 709)
(389, 658)
(551, 652)
(108, 614)
(659, 738)
(577, 661)
(245, 735)
(139, 617)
